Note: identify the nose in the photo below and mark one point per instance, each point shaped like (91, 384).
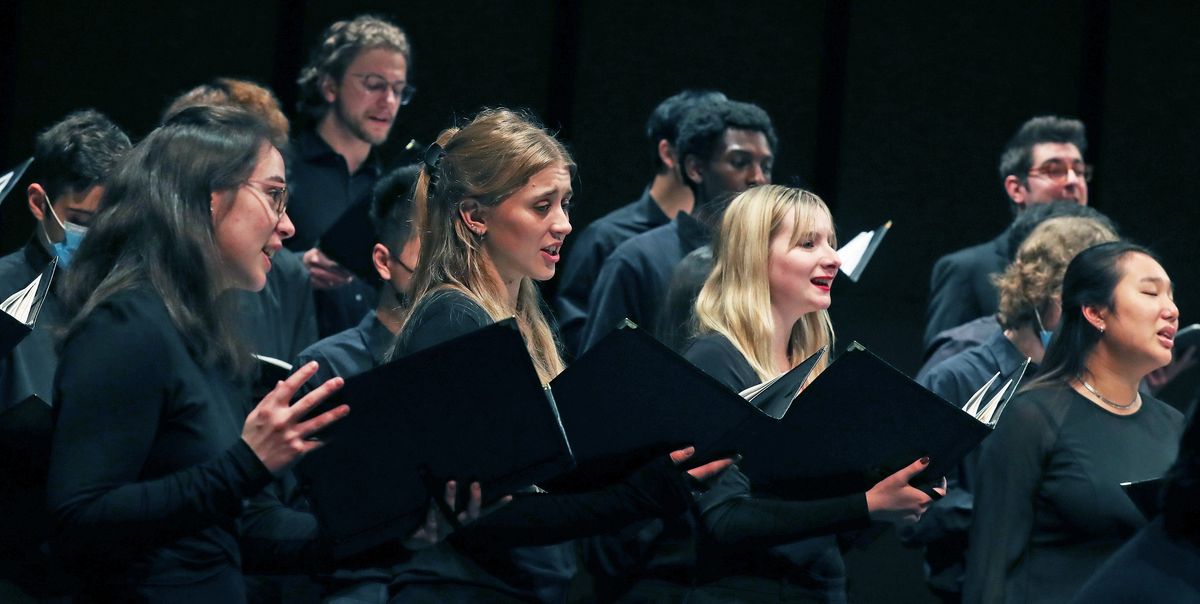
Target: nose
(832, 260)
(562, 225)
(284, 227)
(1171, 311)
(758, 176)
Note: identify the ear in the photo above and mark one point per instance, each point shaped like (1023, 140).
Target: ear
(1016, 190)
(473, 215)
(328, 88)
(692, 168)
(380, 255)
(666, 154)
(218, 203)
(37, 199)
(1097, 316)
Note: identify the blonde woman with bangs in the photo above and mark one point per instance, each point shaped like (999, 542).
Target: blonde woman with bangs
(492, 206)
(762, 311)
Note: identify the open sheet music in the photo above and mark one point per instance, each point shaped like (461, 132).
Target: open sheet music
(856, 253)
(21, 309)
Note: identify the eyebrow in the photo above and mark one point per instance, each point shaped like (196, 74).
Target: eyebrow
(551, 190)
(1158, 281)
(276, 178)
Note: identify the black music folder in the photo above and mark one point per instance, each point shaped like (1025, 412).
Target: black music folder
(630, 399)
(21, 309)
(9, 180)
(858, 422)
(1146, 495)
(471, 408)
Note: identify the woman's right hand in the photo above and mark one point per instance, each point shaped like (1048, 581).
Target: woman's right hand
(894, 500)
(275, 430)
(705, 472)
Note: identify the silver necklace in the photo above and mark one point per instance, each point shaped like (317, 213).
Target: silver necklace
(1136, 397)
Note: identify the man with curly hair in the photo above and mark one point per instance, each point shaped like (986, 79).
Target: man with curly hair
(350, 92)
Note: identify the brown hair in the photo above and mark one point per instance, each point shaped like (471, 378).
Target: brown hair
(1037, 273)
(224, 92)
(487, 160)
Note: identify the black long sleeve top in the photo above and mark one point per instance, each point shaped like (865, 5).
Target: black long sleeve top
(522, 550)
(758, 540)
(148, 471)
(1048, 503)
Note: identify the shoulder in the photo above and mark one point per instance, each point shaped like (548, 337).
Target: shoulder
(440, 316)
(714, 354)
(15, 272)
(647, 242)
(135, 323)
(965, 258)
(323, 349)
(1160, 412)
(1045, 406)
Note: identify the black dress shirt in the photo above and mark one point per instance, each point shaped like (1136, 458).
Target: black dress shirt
(585, 255)
(350, 352)
(322, 193)
(634, 278)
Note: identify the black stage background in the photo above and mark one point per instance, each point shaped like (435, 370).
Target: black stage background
(889, 110)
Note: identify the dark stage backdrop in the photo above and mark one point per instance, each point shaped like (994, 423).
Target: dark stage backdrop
(887, 110)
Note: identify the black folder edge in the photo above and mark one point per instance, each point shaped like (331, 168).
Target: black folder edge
(876, 239)
(17, 173)
(789, 382)
(938, 467)
(939, 464)
(12, 331)
(1145, 495)
(1187, 336)
(366, 537)
(705, 452)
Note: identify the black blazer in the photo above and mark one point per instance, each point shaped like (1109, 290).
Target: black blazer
(960, 288)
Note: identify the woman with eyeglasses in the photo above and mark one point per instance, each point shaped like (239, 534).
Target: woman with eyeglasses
(153, 454)
(492, 203)
(1048, 503)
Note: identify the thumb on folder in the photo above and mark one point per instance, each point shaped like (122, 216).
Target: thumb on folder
(704, 472)
(894, 500)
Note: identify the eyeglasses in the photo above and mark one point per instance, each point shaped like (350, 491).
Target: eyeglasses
(1057, 170)
(278, 195)
(374, 83)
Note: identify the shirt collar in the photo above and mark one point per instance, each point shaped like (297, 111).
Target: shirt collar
(378, 339)
(310, 147)
(650, 209)
(692, 232)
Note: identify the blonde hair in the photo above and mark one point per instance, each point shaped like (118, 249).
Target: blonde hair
(736, 299)
(1037, 273)
(487, 160)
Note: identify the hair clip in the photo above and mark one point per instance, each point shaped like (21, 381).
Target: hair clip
(433, 156)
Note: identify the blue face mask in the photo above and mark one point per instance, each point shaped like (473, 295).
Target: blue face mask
(72, 237)
(1042, 331)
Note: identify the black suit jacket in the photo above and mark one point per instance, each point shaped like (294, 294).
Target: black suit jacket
(960, 288)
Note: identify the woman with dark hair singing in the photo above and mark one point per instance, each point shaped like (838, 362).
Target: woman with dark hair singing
(492, 205)
(1048, 502)
(153, 454)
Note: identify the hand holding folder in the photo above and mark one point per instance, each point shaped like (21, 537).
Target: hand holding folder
(436, 415)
